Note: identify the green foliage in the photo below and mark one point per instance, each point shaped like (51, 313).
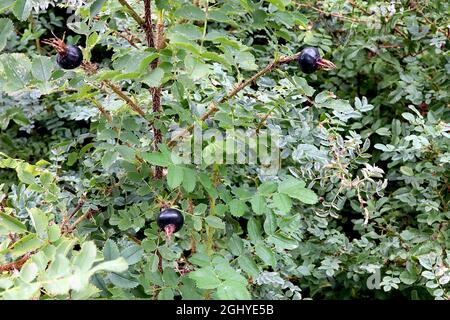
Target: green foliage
(363, 185)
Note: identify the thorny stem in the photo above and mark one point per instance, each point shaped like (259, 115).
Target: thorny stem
(136, 108)
(213, 106)
(102, 110)
(148, 25)
(155, 41)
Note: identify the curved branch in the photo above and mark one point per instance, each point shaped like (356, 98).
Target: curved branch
(213, 107)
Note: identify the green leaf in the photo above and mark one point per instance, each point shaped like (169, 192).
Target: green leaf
(15, 71)
(132, 254)
(304, 87)
(174, 176)
(22, 9)
(232, 290)
(190, 32)
(54, 232)
(295, 188)
(407, 171)
(254, 230)
(157, 159)
(190, 12)
(109, 158)
(283, 242)
(12, 224)
(95, 7)
(154, 78)
(40, 222)
(305, 195)
(290, 185)
(258, 203)
(408, 278)
(126, 152)
(266, 255)
(205, 278)
(6, 29)
(86, 257)
(29, 271)
(117, 265)
(215, 222)
(249, 266)
(279, 4)
(282, 202)
(207, 184)
(189, 179)
(110, 250)
(26, 244)
(237, 207)
(122, 280)
(42, 68)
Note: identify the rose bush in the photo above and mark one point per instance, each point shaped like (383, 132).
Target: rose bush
(356, 208)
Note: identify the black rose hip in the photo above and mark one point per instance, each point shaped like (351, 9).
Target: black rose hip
(69, 56)
(170, 220)
(311, 61)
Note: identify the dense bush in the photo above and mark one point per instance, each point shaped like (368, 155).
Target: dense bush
(358, 208)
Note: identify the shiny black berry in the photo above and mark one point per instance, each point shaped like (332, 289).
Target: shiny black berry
(310, 61)
(71, 58)
(170, 220)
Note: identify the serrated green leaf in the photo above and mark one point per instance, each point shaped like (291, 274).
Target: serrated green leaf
(205, 278)
(237, 207)
(12, 224)
(86, 257)
(6, 29)
(174, 176)
(40, 222)
(42, 68)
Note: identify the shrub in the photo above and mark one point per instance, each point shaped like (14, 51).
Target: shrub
(356, 208)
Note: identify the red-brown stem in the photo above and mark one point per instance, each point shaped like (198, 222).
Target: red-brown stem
(148, 24)
(74, 212)
(154, 41)
(213, 106)
(15, 265)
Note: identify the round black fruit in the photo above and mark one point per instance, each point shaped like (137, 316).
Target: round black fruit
(170, 217)
(70, 58)
(309, 60)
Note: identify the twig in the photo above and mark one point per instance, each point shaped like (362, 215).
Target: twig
(132, 12)
(263, 120)
(156, 42)
(15, 265)
(134, 239)
(148, 25)
(213, 106)
(74, 212)
(136, 108)
(130, 40)
(80, 219)
(102, 110)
